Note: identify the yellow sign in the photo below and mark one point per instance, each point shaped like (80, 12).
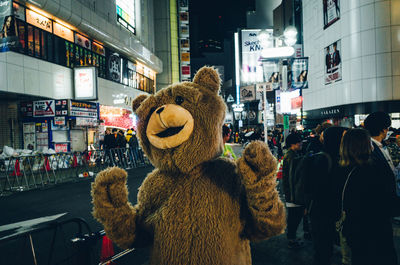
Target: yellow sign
(185, 57)
(63, 32)
(39, 20)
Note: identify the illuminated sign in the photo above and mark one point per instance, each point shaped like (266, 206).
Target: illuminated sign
(126, 14)
(97, 48)
(85, 83)
(251, 49)
(39, 20)
(83, 41)
(63, 32)
(44, 108)
(82, 109)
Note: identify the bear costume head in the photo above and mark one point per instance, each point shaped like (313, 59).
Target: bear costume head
(180, 126)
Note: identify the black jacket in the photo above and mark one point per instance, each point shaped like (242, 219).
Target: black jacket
(369, 205)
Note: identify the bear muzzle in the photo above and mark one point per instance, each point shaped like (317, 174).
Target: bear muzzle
(169, 126)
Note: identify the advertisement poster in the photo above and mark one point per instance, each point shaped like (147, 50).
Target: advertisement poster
(331, 12)
(85, 83)
(271, 73)
(44, 108)
(116, 117)
(247, 93)
(185, 44)
(59, 121)
(184, 17)
(333, 63)
(299, 73)
(251, 47)
(8, 27)
(19, 11)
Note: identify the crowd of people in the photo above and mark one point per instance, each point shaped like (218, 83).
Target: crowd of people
(344, 184)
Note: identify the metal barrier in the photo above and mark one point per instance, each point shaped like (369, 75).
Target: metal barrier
(40, 170)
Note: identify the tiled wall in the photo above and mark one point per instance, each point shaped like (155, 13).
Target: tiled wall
(27, 75)
(370, 50)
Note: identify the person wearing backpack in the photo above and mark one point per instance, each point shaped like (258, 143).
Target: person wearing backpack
(321, 194)
(295, 212)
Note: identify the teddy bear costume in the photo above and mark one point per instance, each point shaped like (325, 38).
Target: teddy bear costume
(195, 207)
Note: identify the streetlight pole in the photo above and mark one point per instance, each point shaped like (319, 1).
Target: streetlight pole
(265, 114)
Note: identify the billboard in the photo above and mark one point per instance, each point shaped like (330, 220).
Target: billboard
(44, 108)
(331, 12)
(85, 83)
(299, 72)
(126, 14)
(251, 48)
(271, 73)
(333, 63)
(8, 26)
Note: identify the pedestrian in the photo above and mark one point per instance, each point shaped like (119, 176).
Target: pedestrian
(315, 143)
(295, 212)
(321, 193)
(228, 151)
(368, 202)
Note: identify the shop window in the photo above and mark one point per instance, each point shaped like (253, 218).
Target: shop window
(30, 40)
(50, 47)
(37, 42)
(44, 45)
(21, 35)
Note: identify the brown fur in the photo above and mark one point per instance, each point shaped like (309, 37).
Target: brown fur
(194, 208)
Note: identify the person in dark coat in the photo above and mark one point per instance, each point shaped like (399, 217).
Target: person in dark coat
(321, 194)
(368, 202)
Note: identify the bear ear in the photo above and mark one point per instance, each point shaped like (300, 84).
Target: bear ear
(208, 77)
(137, 101)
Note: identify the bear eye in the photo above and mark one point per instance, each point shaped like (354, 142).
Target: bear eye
(179, 100)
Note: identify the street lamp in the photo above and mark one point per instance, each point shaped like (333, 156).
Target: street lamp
(289, 38)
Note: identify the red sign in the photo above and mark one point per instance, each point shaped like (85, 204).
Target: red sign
(61, 148)
(186, 70)
(297, 102)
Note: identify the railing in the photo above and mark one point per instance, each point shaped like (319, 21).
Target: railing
(40, 170)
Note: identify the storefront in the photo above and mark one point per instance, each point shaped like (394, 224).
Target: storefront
(352, 114)
(62, 125)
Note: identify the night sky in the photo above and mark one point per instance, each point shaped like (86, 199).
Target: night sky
(214, 18)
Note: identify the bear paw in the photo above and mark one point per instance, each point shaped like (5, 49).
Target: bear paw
(257, 160)
(109, 187)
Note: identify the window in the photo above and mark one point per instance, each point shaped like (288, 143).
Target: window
(37, 42)
(44, 45)
(30, 40)
(50, 47)
(21, 35)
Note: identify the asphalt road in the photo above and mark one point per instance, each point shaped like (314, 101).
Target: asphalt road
(74, 199)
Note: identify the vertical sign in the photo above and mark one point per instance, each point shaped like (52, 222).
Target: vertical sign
(184, 45)
(8, 26)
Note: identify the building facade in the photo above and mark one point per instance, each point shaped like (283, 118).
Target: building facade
(354, 60)
(52, 38)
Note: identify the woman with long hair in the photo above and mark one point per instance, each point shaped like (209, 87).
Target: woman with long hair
(367, 203)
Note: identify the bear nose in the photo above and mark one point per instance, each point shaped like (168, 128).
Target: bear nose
(160, 110)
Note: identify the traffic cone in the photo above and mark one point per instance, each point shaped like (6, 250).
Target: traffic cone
(107, 249)
(46, 164)
(17, 170)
